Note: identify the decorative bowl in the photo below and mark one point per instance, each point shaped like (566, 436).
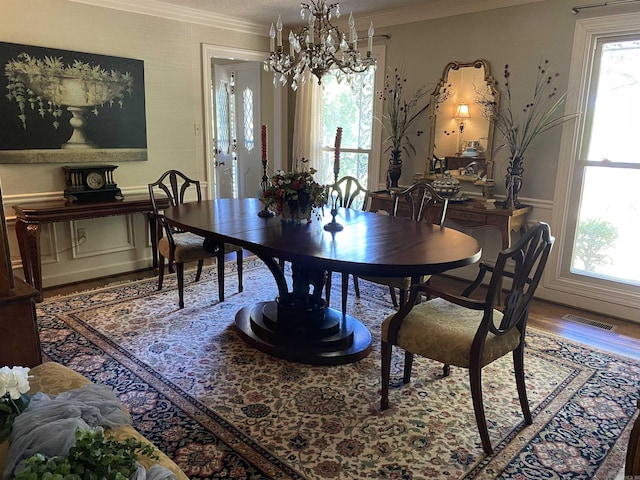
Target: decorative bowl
(446, 186)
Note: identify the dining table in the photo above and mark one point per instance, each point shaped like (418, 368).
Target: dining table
(298, 325)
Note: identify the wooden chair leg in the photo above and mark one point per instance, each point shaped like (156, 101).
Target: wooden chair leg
(392, 292)
(518, 363)
(220, 265)
(160, 271)
(403, 296)
(239, 264)
(356, 286)
(446, 370)
(180, 276)
(199, 270)
(475, 380)
(327, 288)
(345, 291)
(408, 364)
(385, 355)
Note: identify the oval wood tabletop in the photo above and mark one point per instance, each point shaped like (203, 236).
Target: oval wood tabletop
(369, 244)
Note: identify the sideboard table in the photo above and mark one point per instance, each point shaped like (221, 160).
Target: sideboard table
(470, 214)
(29, 217)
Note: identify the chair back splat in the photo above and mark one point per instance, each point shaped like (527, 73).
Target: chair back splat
(350, 193)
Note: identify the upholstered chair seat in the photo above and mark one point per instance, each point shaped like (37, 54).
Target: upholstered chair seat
(188, 248)
(444, 331)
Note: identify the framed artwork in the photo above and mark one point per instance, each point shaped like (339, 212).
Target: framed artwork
(66, 106)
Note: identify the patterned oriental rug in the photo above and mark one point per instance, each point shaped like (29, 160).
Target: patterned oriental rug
(221, 409)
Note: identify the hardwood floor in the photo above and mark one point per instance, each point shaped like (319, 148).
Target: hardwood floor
(623, 338)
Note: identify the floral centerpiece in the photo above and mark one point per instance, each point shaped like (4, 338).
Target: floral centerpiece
(294, 195)
(399, 112)
(14, 385)
(539, 115)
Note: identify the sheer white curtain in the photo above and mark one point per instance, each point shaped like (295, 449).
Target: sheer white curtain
(307, 125)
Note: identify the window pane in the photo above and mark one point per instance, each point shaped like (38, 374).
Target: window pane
(607, 235)
(351, 164)
(617, 104)
(349, 107)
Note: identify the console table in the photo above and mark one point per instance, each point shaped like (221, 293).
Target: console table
(29, 217)
(470, 214)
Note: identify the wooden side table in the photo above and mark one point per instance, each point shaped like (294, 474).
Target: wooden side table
(29, 217)
(470, 214)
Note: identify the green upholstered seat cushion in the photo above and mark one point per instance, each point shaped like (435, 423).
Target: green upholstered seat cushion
(444, 331)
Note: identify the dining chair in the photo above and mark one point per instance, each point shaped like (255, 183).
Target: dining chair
(180, 247)
(347, 192)
(423, 204)
(472, 333)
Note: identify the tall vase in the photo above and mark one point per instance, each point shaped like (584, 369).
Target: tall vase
(513, 182)
(395, 169)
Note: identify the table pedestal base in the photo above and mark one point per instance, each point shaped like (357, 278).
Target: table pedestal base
(335, 341)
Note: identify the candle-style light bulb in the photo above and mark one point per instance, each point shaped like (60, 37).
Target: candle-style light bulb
(370, 45)
(352, 27)
(272, 38)
(279, 29)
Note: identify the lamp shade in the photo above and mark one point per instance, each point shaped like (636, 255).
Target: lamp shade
(462, 111)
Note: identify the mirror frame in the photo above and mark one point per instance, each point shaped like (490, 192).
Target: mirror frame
(440, 88)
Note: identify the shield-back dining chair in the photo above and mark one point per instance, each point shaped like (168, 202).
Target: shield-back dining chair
(424, 204)
(472, 333)
(180, 247)
(348, 192)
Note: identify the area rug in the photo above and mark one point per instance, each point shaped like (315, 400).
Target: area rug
(221, 409)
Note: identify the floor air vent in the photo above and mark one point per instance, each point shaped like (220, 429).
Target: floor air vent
(586, 321)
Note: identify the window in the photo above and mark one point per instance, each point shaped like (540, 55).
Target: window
(604, 244)
(597, 205)
(352, 107)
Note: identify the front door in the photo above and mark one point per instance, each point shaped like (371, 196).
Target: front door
(236, 121)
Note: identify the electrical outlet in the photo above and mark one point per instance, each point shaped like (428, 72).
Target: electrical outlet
(81, 234)
(197, 130)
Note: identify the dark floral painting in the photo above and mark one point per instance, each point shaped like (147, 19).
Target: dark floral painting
(74, 105)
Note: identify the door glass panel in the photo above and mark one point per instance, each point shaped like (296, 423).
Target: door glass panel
(222, 112)
(247, 102)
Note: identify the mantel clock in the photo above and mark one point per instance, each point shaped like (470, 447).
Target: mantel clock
(91, 183)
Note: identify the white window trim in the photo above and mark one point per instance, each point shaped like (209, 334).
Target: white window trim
(613, 301)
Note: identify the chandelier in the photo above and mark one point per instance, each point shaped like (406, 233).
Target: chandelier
(319, 47)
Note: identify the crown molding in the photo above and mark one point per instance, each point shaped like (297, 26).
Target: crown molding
(436, 9)
(399, 16)
(183, 14)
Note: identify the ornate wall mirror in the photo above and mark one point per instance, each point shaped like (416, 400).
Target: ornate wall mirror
(461, 131)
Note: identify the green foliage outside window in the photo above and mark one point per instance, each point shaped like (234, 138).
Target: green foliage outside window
(594, 238)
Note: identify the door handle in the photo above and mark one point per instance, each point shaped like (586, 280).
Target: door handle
(216, 163)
